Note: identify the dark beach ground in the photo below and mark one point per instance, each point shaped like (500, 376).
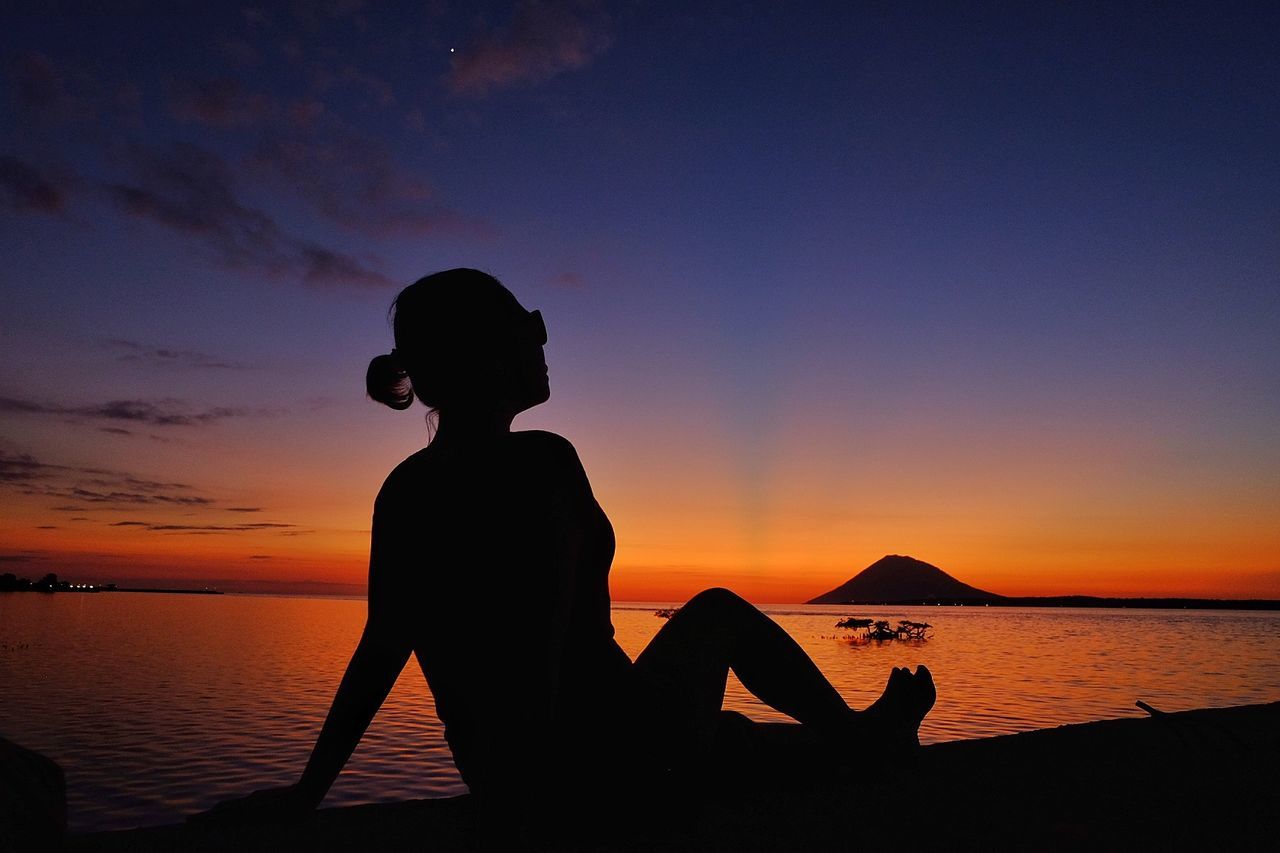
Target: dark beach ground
(1171, 782)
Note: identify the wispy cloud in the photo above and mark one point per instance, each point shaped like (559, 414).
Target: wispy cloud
(162, 413)
(137, 352)
(97, 487)
(569, 281)
(352, 180)
(191, 190)
(26, 189)
(293, 135)
(41, 91)
(22, 468)
(161, 527)
(542, 39)
(222, 102)
(103, 490)
(347, 74)
(118, 497)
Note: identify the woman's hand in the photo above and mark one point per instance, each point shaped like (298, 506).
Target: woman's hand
(269, 805)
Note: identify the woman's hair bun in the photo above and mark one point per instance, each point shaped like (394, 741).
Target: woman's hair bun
(387, 381)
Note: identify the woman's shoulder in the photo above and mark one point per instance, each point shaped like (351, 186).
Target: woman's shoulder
(404, 476)
(543, 442)
(552, 458)
(542, 450)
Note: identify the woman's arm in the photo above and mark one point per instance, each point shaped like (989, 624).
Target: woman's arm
(378, 660)
(376, 664)
(372, 672)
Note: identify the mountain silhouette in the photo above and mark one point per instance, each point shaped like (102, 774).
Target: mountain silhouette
(895, 579)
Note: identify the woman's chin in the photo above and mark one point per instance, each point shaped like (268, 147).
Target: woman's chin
(539, 394)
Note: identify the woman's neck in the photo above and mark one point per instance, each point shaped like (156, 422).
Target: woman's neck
(468, 425)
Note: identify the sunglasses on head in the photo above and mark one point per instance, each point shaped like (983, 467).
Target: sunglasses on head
(537, 328)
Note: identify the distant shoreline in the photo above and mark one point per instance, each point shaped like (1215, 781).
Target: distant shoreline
(88, 590)
(1079, 601)
(172, 591)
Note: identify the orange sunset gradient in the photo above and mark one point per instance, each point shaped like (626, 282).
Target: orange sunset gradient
(1018, 512)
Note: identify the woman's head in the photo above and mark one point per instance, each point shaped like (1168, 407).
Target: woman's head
(463, 341)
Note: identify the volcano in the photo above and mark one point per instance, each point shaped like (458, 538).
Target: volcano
(896, 579)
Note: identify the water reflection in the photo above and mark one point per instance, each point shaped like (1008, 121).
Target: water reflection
(160, 705)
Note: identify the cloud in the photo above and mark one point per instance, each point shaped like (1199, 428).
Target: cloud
(120, 496)
(324, 78)
(22, 468)
(133, 351)
(115, 431)
(132, 498)
(191, 190)
(104, 489)
(569, 281)
(109, 478)
(165, 413)
(352, 180)
(27, 190)
(542, 39)
(326, 268)
(203, 528)
(221, 103)
(346, 175)
(19, 558)
(40, 89)
(237, 51)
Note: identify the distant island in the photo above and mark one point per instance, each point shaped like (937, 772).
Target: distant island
(10, 582)
(895, 579)
(906, 581)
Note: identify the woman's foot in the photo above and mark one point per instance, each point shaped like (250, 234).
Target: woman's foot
(890, 726)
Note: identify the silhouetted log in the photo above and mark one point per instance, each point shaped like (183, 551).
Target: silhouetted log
(33, 800)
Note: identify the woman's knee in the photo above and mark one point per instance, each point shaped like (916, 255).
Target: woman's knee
(717, 598)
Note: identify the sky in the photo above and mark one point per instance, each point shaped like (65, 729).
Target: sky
(996, 285)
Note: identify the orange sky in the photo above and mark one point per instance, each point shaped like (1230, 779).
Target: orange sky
(1018, 513)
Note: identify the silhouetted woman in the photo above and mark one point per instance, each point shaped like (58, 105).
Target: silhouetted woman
(486, 524)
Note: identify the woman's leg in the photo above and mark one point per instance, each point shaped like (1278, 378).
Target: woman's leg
(690, 658)
(718, 631)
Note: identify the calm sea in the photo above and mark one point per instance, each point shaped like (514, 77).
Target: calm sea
(160, 705)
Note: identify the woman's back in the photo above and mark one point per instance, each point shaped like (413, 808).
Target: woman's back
(467, 537)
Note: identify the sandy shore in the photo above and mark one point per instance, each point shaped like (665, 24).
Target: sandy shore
(1171, 782)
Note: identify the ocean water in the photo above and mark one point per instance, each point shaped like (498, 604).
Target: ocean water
(160, 705)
